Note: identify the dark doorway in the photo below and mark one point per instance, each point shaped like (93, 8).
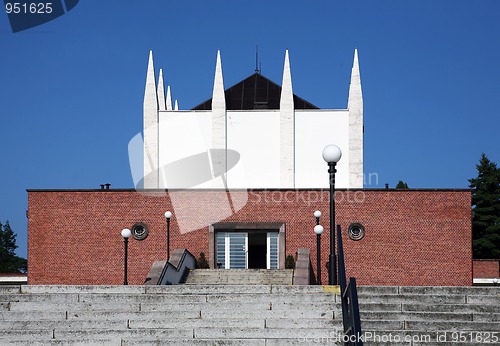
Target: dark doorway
(257, 250)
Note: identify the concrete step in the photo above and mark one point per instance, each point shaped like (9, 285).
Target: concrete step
(67, 289)
(270, 314)
(63, 324)
(134, 290)
(449, 325)
(259, 306)
(33, 315)
(209, 289)
(273, 298)
(26, 335)
(10, 289)
(427, 338)
(43, 306)
(196, 342)
(76, 342)
(261, 323)
(49, 291)
(414, 299)
(51, 297)
(116, 334)
(217, 333)
(428, 290)
(141, 298)
(124, 316)
(415, 316)
(468, 290)
(472, 308)
(266, 333)
(241, 276)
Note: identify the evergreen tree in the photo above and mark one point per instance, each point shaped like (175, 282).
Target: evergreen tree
(402, 185)
(289, 262)
(201, 262)
(486, 210)
(9, 262)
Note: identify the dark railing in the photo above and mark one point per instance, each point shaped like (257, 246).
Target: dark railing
(349, 294)
(177, 268)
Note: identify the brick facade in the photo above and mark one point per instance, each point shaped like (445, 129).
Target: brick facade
(413, 237)
(486, 268)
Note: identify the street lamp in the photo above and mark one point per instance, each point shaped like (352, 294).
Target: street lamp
(332, 154)
(318, 229)
(168, 216)
(126, 233)
(317, 215)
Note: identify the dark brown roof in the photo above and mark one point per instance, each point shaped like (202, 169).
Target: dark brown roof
(255, 92)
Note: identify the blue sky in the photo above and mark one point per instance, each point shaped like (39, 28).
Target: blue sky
(72, 89)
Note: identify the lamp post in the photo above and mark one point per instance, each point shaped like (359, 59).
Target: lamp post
(168, 216)
(318, 229)
(317, 215)
(332, 154)
(126, 233)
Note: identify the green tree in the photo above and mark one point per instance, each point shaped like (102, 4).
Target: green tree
(486, 210)
(9, 262)
(402, 185)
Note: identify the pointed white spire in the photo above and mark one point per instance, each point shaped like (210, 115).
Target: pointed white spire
(355, 106)
(287, 129)
(161, 92)
(218, 98)
(150, 96)
(355, 93)
(286, 100)
(176, 107)
(169, 99)
(218, 127)
(150, 115)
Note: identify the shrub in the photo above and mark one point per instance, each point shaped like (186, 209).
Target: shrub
(289, 262)
(201, 262)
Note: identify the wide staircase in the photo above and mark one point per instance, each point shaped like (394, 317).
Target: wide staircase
(430, 315)
(197, 314)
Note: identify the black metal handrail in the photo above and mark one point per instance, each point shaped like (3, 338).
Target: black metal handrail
(349, 294)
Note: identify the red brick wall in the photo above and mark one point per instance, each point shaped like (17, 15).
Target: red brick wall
(413, 237)
(486, 269)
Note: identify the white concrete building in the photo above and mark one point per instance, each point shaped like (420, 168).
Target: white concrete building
(255, 134)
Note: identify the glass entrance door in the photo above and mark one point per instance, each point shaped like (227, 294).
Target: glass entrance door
(238, 245)
(232, 250)
(272, 250)
(235, 251)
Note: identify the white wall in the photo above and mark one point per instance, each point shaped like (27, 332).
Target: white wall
(255, 135)
(315, 129)
(183, 134)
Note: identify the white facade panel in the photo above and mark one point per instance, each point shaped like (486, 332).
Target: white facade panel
(314, 130)
(255, 136)
(184, 138)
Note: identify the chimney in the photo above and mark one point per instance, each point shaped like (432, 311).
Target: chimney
(102, 186)
(107, 186)
(387, 186)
